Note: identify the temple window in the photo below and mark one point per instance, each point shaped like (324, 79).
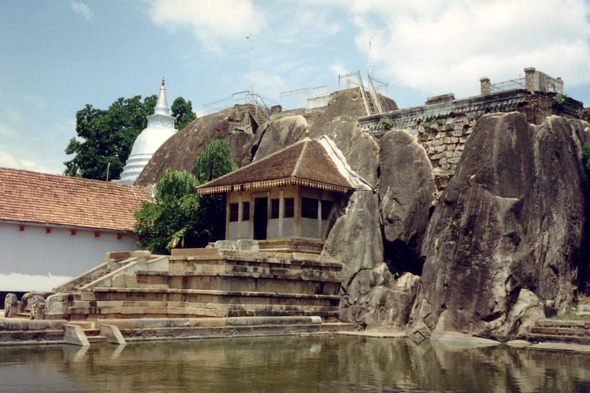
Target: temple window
(309, 208)
(289, 208)
(245, 211)
(326, 209)
(233, 212)
(274, 208)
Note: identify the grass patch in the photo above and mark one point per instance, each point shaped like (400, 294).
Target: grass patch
(570, 316)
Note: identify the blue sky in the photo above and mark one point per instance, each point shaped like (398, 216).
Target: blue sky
(56, 56)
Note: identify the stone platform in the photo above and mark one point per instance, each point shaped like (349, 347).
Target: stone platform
(27, 332)
(196, 283)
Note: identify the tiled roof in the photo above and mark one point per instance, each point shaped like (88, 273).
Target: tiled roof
(305, 163)
(33, 197)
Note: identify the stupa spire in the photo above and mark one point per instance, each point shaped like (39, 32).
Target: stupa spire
(162, 104)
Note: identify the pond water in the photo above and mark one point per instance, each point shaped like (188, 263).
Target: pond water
(290, 364)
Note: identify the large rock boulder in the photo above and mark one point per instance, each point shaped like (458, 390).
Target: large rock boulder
(376, 299)
(182, 150)
(280, 134)
(407, 193)
(339, 123)
(510, 232)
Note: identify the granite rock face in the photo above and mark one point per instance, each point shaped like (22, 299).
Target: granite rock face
(407, 193)
(181, 150)
(356, 236)
(376, 298)
(280, 134)
(339, 123)
(505, 242)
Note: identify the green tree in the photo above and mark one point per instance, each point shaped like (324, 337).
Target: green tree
(586, 155)
(178, 217)
(106, 137)
(183, 110)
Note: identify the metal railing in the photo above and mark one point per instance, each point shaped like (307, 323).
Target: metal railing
(239, 98)
(364, 94)
(508, 85)
(319, 91)
(375, 95)
(349, 81)
(293, 99)
(380, 86)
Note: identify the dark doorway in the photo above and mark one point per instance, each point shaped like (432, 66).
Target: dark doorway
(260, 218)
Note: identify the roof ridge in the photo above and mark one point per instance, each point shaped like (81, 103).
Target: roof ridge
(301, 156)
(253, 163)
(73, 178)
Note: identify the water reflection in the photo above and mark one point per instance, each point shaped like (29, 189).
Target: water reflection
(290, 364)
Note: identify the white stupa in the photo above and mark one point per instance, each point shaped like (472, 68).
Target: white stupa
(160, 127)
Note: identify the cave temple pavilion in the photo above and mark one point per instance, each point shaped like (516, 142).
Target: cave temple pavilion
(290, 194)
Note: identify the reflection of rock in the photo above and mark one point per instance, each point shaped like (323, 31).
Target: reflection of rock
(10, 305)
(511, 220)
(376, 298)
(406, 191)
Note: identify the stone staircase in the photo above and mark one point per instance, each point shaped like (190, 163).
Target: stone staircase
(257, 114)
(555, 330)
(218, 283)
(92, 333)
(372, 105)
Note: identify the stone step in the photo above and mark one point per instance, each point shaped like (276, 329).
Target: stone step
(316, 284)
(583, 314)
(561, 331)
(212, 296)
(264, 259)
(31, 335)
(563, 323)
(83, 325)
(91, 332)
(185, 333)
(175, 310)
(97, 339)
(584, 340)
(583, 307)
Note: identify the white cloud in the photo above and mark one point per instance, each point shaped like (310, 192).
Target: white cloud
(210, 21)
(6, 131)
(314, 20)
(10, 161)
(338, 69)
(438, 47)
(82, 9)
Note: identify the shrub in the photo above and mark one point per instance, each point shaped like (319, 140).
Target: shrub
(559, 99)
(386, 123)
(586, 155)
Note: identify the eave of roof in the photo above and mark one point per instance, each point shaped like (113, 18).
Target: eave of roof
(304, 163)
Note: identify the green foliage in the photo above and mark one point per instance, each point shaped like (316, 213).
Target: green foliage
(586, 155)
(429, 124)
(183, 110)
(214, 161)
(107, 136)
(560, 99)
(178, 217)
(386, 123)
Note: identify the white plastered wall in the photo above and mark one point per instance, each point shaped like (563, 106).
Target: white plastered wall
(33, 259)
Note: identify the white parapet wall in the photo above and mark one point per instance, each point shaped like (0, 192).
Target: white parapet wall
(34, 260)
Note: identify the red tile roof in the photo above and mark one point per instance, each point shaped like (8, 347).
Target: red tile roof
(304, 163)
(33, 197)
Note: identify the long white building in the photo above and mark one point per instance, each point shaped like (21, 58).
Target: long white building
(53, 228)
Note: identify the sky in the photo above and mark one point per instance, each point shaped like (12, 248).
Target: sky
(57, 56)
